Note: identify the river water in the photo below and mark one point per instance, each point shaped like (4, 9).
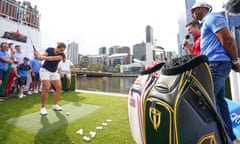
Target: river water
(105, 84)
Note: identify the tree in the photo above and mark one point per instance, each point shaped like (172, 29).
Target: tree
(104, 68)
(83, 64)
(117, 68)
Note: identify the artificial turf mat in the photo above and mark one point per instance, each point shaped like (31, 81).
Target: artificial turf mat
(37, 124)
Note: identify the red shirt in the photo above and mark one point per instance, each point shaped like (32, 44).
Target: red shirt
(196, 45)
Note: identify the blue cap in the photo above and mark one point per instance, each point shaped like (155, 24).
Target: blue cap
(26, 58)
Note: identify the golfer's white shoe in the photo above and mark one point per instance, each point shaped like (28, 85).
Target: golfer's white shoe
(43, 111)
(57, 108)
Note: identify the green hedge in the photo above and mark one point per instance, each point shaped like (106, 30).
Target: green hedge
(64, 83)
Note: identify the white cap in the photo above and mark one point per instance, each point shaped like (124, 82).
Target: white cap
(202, 4)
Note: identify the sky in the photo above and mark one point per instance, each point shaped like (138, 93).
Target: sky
(97, 23)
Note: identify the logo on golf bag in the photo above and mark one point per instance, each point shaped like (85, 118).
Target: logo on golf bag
(155, 117)
(209, 138)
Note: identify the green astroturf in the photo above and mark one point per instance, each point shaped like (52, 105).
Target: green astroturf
(37, 124)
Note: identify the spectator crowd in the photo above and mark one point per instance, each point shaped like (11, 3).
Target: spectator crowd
(20, 75)
(21, 12)
(15, 69)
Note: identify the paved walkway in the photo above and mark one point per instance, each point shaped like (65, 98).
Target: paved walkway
(104, 93)
(93, 92)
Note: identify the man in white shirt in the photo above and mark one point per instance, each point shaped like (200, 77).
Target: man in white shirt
(64, 68)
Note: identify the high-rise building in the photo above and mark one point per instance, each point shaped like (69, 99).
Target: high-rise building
(185, 17)
(124, 49)
(117, 49)
(102, 51)
(149, 45)
(113, 50)
(149, 34)
(139, 51)
(72, 52)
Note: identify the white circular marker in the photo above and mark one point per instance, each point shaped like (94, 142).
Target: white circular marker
(80, 132)
(99, 127)
(104, 124)
(92, 134)
(85, 138)
(109, 120)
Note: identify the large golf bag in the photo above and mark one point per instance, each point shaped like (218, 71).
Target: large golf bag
(173, 103)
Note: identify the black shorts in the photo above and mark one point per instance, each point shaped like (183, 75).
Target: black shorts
(22, 81)
(36, 77)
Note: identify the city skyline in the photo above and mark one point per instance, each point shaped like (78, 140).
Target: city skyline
(94, 24)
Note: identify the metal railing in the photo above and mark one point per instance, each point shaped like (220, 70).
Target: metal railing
(22, 13)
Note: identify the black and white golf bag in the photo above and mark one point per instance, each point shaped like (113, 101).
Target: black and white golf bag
(173, 103)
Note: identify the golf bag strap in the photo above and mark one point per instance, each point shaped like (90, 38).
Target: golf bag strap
(182, 64)
(152, 69)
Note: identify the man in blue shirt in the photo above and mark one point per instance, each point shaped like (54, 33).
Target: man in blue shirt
(5, 59)
(219, 46)
(35, 65)
(22, 72)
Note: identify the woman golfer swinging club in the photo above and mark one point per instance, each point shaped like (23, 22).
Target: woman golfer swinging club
(49, 76)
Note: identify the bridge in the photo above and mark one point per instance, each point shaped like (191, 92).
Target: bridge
(91, 73)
